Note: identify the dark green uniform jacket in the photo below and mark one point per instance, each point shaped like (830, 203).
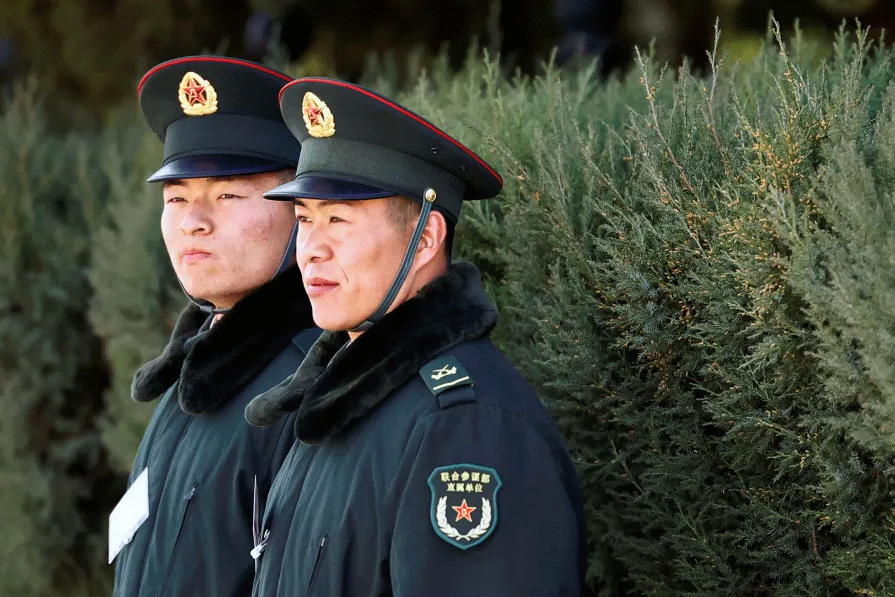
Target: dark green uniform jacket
(202, 457)
(425, 464)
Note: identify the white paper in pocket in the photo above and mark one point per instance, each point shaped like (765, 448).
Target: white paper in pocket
(129, 514)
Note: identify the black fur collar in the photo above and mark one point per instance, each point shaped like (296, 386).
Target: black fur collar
(331, 390)
(213, 365)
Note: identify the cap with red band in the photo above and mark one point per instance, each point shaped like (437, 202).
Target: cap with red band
(217, 116)
(357, 144)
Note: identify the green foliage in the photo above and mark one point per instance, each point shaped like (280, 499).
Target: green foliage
(57, 484)
(694, 272)
(86, 296)
(90, 53)
(136, 295)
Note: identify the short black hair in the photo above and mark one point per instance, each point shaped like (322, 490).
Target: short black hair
(404, 211)
(285, 175)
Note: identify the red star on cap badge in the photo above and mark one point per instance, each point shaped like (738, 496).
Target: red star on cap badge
(317, 116)
(194, 91)
(463, 511)
(314, 114)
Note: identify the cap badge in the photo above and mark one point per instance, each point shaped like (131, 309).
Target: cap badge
(318, 117)
(197, 96)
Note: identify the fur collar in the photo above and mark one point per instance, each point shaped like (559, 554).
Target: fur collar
(213, 365)
(335, 386)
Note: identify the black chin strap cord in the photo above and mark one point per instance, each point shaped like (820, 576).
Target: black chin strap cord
(285, 262)
(383, 307)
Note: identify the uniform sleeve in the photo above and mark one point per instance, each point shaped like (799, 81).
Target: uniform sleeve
(486, 510)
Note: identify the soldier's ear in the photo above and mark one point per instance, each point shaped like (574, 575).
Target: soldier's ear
(434, 237)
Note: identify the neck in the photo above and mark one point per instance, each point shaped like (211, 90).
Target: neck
(414, 282)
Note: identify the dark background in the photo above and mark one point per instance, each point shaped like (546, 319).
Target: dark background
(87, 55)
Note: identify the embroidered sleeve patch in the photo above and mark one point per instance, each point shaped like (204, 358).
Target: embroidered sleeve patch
(464, 503)
(444, 373)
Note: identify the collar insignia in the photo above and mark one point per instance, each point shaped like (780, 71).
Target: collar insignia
(318, 117)
(197, 96)
(464, 503)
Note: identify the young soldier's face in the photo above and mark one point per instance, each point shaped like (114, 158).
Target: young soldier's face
(223, 237)
(349, 253)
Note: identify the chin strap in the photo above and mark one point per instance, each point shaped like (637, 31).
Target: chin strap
(285, 262)
(289, 254)
(383, 307)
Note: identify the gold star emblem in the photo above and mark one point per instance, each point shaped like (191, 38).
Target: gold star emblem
(317, 116)
(197, 96)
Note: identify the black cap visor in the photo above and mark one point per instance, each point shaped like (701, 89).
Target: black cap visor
(322, 187)
(374, 172)
(202, 166)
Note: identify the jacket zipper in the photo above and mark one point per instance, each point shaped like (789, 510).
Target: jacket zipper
(189, 502)
(316, 564)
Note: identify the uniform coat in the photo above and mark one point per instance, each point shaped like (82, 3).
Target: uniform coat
(354, 510)
(201, 455)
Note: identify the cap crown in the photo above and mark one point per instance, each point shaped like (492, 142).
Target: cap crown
(217, 116)
(351, 134)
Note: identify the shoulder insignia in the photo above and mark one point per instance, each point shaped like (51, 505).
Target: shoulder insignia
(444, 373)
(464, 503)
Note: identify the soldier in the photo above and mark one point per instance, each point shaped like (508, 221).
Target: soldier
(425, 465)
(185, 525)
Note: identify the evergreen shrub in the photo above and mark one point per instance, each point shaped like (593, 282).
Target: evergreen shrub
(136, 296)
(57, 482)
(695, 272)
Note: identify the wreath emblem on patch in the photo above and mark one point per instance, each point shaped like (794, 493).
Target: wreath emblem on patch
(317, 116)
(197, 96)
(464, 503)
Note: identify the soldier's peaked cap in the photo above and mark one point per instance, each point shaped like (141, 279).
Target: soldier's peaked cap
(357, 144)
(217, 116)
